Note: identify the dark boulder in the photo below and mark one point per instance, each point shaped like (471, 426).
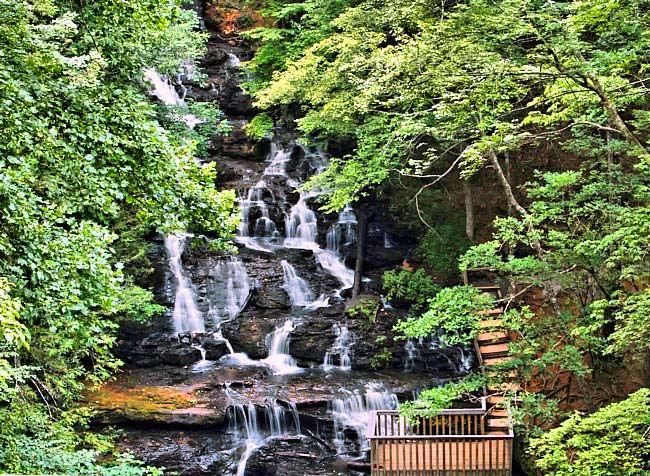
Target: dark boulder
(180, 354)
(215, 348)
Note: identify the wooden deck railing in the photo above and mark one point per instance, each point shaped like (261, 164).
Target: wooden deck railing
(455, 442)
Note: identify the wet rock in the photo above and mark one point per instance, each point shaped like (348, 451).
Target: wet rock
(237, 145)
(295, 455)
(311, 341)
(185, 338)
(116, 404)
(180, 354)
(185, 453)
(214, 348)
(248, 332)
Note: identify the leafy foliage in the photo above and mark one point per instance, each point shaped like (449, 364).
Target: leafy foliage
(414, 288)
(365, 308)
(611, 442)
(442, 249)
(32, 443)
(86, 170)
(453, 311)
(429, 90)
(259, 126)
(430, 402)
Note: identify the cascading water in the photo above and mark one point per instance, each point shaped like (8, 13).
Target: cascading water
(300, 294)
(412, 354)
(167, 94)
(279, 359)
(466, 360)
(254, 205)
(186, 314)
(340, 354)
(255, 425)
(301, 226)
(352, 411)
(228, 291)
(343, 232)
(258, 231)
(336, 267)
(284, 223)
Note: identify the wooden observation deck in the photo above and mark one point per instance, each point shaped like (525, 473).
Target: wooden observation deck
(456, 442)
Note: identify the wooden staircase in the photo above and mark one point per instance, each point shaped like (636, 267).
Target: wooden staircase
(492, 347)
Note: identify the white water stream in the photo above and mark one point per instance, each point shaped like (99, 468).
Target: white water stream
(352, 411)
(186, 315)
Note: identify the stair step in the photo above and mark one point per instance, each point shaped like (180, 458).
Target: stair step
(493, 350)
(510, 375)
(496, 360)
(490, 312)
(498, 413)
(497, 423)
(505, 387)
(498, 432)
(491, 323)
(493, 337)
(496, 399)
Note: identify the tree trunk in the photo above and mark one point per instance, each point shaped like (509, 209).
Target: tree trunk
(615, 118)
(505, 184)
(469, 210)
(362, 231)
(646, 369)
(508, 177)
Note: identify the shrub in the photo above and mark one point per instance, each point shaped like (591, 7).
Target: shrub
(413, 288)
(611, 442)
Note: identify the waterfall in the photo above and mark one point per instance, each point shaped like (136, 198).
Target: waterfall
(233, 61)
(279, 359)
(258, 231)
(279, 158)
(228, 290)
(341, 348)
(254, 426)
(331, 262)
(167, 94)
(411, 355)
(263, 226)
(299, 291)
(466, 360)
(186, 315)
(388, 243)
(352, 411)
(343, 232)
(301, 226)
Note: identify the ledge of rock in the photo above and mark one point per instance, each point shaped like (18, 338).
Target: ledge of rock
(165, 406)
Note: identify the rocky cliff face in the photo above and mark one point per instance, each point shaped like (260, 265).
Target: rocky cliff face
(273, 375)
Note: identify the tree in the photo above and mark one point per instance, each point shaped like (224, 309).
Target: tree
(86, 170)
(611, 442)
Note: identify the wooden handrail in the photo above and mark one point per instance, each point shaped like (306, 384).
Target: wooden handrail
(507, 436)
(449, 424)
(448, 411)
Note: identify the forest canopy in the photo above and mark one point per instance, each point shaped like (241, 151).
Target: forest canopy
(483, 92)
(86, 172)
